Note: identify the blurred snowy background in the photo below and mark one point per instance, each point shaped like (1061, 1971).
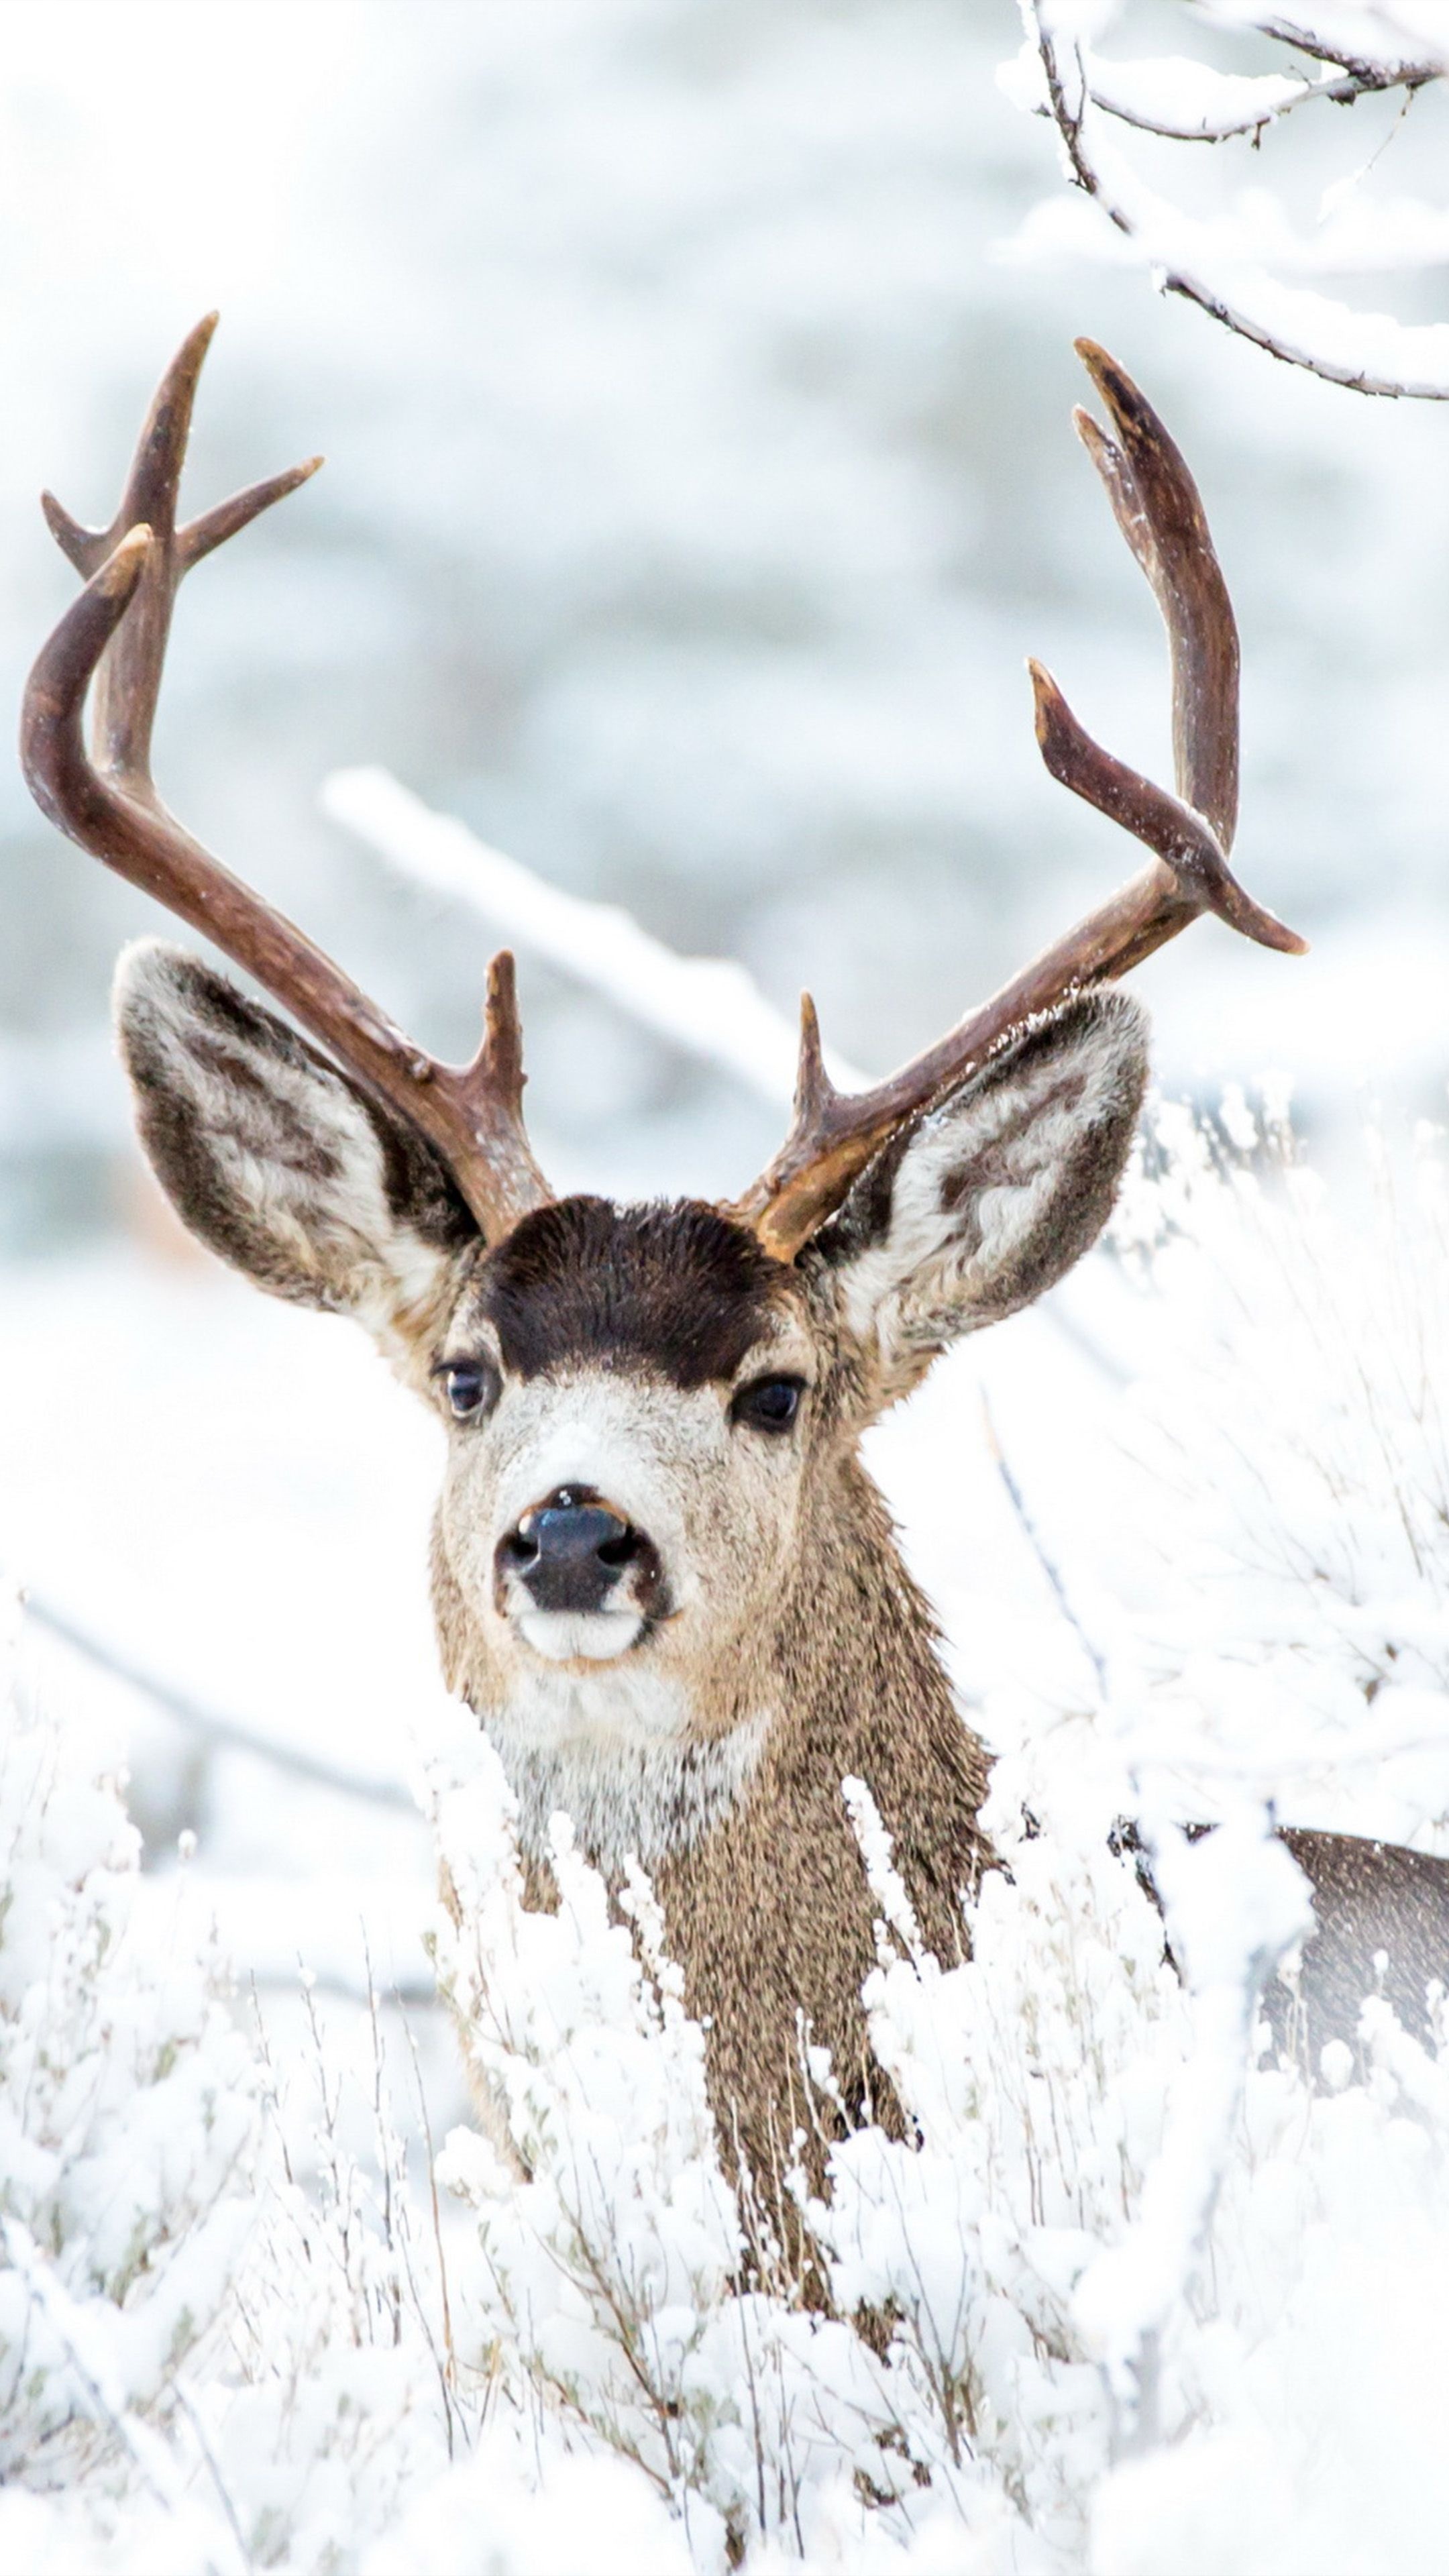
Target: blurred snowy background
(699, 478)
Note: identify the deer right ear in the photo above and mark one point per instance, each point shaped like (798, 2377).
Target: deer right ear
(278, 1162)
(974, 1210)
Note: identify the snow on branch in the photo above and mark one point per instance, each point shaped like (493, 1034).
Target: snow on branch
(709, 1006)
(1245, 267)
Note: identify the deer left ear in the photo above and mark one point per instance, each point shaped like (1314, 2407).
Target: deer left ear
(283, 1166)
(977, 1208)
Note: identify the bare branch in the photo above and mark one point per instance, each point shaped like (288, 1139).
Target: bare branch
(228, 1733)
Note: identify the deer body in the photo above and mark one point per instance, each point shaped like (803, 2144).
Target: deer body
(663, 1579)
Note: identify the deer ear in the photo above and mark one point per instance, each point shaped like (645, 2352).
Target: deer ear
(277, 1161)
(981, 1205)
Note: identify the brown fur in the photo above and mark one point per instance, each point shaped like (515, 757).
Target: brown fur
(1383, 1928)
(675, 1289)
(772, 1914)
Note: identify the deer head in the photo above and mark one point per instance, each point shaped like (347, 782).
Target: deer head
(639, 1401)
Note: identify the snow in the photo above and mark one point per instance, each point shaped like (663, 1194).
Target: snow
(1148, 2291)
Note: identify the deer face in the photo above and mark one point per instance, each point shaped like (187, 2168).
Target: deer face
(646, 1411)
(634, 1397)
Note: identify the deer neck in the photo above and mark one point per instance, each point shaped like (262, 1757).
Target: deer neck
(640, 1771)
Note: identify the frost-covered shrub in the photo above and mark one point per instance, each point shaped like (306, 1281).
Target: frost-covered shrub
(127, 2117)
(1133, 2296)
(203, 2366)
(609, 2240)
(337, 2402)
(1289, 1438)
(1037, 2075)
(1122, 2244)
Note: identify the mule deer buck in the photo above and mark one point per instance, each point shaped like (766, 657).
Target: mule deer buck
(662, 1578)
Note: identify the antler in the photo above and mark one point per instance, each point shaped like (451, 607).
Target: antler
(115, 633)
(835, 1134)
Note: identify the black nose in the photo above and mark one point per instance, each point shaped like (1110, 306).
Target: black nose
(570, 1553)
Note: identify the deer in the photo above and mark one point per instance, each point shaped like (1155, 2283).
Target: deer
(662, 1578)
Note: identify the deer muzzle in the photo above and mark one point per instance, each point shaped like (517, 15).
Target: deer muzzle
(578, 1577)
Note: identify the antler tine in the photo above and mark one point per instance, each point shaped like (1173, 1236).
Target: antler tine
(115, 634)
(1159, 510)
(834, 1135)
(128, 679)
(1158, 507)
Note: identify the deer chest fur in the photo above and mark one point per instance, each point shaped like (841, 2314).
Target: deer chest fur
(620, 1754)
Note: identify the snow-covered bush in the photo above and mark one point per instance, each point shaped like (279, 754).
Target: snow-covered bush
(1135, 2295)
(1125, 2261)
(203, 2367)
(128, 2119)
(1290, 1440)
(609, 2240)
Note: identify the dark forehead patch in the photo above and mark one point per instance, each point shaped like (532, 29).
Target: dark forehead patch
(676, 1286)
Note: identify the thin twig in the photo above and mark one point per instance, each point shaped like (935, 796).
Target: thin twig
(1034, 1540)
(446, 2362)
(213, 2471)
(230, 1732)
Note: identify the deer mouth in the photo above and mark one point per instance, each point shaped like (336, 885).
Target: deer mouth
(587, 1636)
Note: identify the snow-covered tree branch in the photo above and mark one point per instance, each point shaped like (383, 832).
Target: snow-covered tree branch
(1247, 263)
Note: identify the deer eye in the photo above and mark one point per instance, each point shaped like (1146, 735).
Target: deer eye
(471, 1387)
(769, 1404)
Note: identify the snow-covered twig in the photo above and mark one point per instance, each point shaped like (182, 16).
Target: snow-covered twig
(1188, 102)
(1237, 268)
(709, 1006)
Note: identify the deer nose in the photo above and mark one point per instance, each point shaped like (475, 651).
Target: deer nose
(570, 1552)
